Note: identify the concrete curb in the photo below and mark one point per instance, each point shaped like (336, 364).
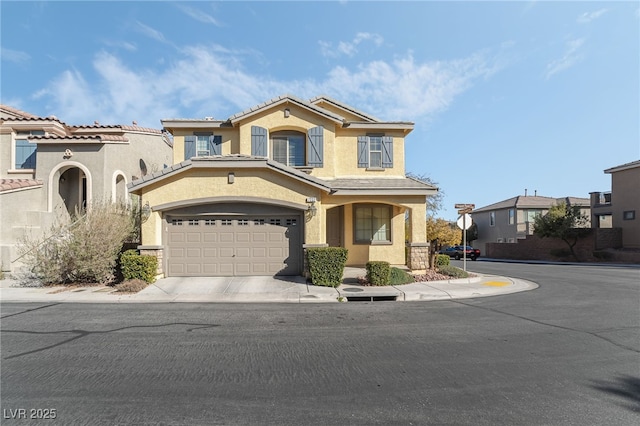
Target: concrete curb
(218, 290)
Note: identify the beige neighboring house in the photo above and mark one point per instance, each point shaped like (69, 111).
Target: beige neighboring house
(513, 219)
(620, 207)
(246, 195)
(48, 168)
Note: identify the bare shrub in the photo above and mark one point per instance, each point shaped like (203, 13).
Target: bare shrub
(131, 286)
(83, 250)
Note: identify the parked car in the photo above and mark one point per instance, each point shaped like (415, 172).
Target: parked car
(457, 252)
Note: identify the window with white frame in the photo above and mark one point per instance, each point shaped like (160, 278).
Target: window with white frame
(531, 214)
(288, 148)
(492, 218)
(202, 145)
(375, 152)
(26, 151)
(372, 223)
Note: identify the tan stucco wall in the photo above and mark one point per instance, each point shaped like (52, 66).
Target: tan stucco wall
(359, 254)
(625, 196)
(340, 145)
(206, 183)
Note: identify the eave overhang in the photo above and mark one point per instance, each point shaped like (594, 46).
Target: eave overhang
(228, 162)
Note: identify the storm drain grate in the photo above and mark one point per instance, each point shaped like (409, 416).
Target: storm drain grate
(371, 298)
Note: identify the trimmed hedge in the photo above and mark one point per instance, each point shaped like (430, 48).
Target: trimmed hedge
(136, 266)
(398, 276)
(443, 260)
(378, 272)
(326, 265)
(453, 272)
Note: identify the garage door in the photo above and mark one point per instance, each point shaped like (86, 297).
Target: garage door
(234, 245)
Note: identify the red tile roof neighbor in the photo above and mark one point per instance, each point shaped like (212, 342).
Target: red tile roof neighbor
(14, 184)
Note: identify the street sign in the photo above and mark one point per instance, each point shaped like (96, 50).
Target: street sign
(464, 222)
(465, 206)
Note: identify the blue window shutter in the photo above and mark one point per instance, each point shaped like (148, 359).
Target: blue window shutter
(315, 147)
(387, 151)
(258, 141)
(189, 146)
(363, 151)
(25, 154)
(215, 145)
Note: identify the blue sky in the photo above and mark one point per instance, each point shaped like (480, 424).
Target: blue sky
(504, 95)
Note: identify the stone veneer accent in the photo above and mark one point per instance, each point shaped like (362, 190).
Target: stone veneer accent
(418, 256)
(156, 251)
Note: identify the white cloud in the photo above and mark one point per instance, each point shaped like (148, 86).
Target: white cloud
(349, 48)
(587, 17)
(209, 81)
(198, 15)
(13, 55)
(571, 56)
(150, 32)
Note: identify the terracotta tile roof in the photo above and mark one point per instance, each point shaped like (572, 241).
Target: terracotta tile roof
(125, 128)
(15, 184)
(80, 138)
(16, 111)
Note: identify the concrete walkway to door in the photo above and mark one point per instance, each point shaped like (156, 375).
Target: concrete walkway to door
(266, 289)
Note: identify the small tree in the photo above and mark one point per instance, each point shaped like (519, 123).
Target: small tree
(447, 233)
(564, 222)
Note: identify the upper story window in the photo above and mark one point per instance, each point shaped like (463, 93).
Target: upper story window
(202, 145)
(532, 214)
(288, 148)
(375, 151)
(492, 219)
(512, 216)
(25, 150)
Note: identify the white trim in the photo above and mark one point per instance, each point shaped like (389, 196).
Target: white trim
(114, 187)
(68, 164)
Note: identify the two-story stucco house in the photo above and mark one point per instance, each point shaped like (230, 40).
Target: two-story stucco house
(513, 219)
(49, 168)
(248, 194)
(620, 207)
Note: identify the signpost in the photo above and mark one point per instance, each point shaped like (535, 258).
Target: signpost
(464, 222)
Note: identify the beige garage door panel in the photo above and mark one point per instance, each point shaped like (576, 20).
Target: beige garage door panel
(230, 246)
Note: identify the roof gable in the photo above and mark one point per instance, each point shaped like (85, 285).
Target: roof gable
(283, 100)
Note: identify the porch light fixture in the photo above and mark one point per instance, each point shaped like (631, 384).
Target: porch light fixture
(145, 211)
(312, 209)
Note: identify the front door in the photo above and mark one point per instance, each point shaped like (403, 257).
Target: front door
(335, 227)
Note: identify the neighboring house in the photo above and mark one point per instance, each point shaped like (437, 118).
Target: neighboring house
(513, 219)
(49, 168)
(620, 207)
(248, 194)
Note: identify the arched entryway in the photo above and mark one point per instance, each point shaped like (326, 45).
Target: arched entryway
(69, 188)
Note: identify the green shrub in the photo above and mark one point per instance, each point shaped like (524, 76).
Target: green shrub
(378, 272)
(326, 265)
(452, 271)
(443, 260)
(136, 266)
(398, 276)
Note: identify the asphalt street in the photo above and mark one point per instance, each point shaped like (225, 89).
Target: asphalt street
(567, 353)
